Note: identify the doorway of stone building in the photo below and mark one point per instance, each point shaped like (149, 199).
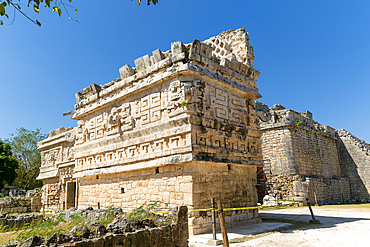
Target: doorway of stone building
(70, 194)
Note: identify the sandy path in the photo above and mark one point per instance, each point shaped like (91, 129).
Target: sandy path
(340, 227)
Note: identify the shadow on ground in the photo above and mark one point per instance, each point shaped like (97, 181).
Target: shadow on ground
(301, 221)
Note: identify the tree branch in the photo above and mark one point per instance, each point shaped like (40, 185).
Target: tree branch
(35, 22)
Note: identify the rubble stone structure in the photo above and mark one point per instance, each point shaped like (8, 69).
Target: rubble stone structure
(180, 127)
(304, 158)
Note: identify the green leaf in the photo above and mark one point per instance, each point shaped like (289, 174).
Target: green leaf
(70, 1)
(37, 2)
(1, 23)
(59, 12)
(36, 8)
(139, 1)
(55, 9)
(47, 3)
(76, 10)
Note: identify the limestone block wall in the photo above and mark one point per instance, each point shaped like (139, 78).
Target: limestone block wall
(301, 158)
(234, 184)
(297, 150)
(315, 154)
(355, 158)
(192, 183)
(298, 188)
(171, 184)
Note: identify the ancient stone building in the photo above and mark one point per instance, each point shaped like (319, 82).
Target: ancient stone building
(304, 158)
(180, 127)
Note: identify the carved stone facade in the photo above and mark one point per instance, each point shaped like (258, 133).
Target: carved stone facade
(181, 127)
(57, 165)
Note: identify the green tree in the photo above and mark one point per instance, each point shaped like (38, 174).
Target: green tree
(8, 165)
(57, 6)
(24, 145)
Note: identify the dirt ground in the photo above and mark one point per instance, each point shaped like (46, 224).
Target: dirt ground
(340, 226)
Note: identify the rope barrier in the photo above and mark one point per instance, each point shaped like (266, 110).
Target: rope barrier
(234, 209)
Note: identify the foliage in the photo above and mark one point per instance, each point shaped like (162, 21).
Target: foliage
(8, 164)
(57, 6)
(153, 1)
(108, 216)
(298, 123)
(143, 211)
(24, 144)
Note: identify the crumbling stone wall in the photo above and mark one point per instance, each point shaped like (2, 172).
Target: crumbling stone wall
(301, 158)
(355, 157)
(11, 222)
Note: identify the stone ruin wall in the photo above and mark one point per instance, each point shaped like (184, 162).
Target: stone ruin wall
(181, 127)
(355, 156)
(302, 158)
(57, 164)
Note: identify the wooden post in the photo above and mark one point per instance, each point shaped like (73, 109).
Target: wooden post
(64, 205)
(98, 205)
(214, 219)
(315, 199)
(312, 215)
(43, 210)
(77, 192)
(221, 214)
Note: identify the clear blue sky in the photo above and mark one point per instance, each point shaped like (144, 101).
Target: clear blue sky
(312, 55)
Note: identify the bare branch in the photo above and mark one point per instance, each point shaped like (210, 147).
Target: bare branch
(17, 8)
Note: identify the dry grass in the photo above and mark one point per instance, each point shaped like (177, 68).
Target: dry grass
(348, 206)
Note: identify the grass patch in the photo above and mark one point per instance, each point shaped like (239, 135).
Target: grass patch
(348, 206)
(50, 226)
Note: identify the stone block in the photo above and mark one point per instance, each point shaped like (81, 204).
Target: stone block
(120, 240)
(155, 237)
(205, 50)
(178, 57)
(166, 236)
(139, 63)
(157, 55)
(195, 47)
(142, 238)
(147, 62)
(131, 240)
(177, 47)
(126, 71)
(213, 242)
(225, 62)
(98, 242)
